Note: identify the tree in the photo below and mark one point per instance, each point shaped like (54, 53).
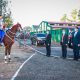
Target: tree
(6, 13)
(64, 18)
(74, 15)
(8, 21)
(27, 29)
(79, 15)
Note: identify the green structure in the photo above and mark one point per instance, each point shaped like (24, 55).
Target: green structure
(55, 28)
(34, 29)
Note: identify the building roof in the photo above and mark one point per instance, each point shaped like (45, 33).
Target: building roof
(52, 23)
(64, 26)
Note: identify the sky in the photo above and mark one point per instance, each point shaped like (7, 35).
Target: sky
(32, 12)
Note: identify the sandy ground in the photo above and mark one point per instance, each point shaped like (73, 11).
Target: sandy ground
(18, 56)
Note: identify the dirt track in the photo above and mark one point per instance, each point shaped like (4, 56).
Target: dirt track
(18, 56)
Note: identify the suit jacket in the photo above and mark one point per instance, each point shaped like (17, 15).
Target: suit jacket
(48, 39)
(76, 38)
(65, 39)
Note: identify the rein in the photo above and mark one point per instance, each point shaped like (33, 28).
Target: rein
(11, 35)
(12, 32)
(10, 38)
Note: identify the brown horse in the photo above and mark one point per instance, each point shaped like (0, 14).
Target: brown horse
(8, 40)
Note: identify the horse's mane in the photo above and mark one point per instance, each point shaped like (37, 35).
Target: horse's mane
(14, 26)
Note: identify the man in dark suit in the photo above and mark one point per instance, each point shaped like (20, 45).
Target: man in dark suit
(76, 43)
(48, 44)
(64, 43)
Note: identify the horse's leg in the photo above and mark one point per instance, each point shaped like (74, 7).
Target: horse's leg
(6, 50)
(9, 51)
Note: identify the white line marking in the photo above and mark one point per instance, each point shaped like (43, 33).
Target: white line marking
(44, 53)
(36, 50)
(15, 75)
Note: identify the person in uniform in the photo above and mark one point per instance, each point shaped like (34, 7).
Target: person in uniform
(48, 44)
(76, 43)
(64, 43)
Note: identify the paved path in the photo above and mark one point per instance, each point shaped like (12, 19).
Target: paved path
(40, 67)
(55, 49)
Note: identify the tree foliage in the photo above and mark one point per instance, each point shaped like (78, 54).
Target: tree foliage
(79, 16)
(64, 18)
(6, 13)
(8, 22)
(75, 16)
(27, 28)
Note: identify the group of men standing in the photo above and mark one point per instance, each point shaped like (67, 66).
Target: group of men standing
(71, 40)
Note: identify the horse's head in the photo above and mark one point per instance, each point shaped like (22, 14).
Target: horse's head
(19, 28)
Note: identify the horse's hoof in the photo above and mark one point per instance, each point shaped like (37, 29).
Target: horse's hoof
(9, 60)
(6, 62)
